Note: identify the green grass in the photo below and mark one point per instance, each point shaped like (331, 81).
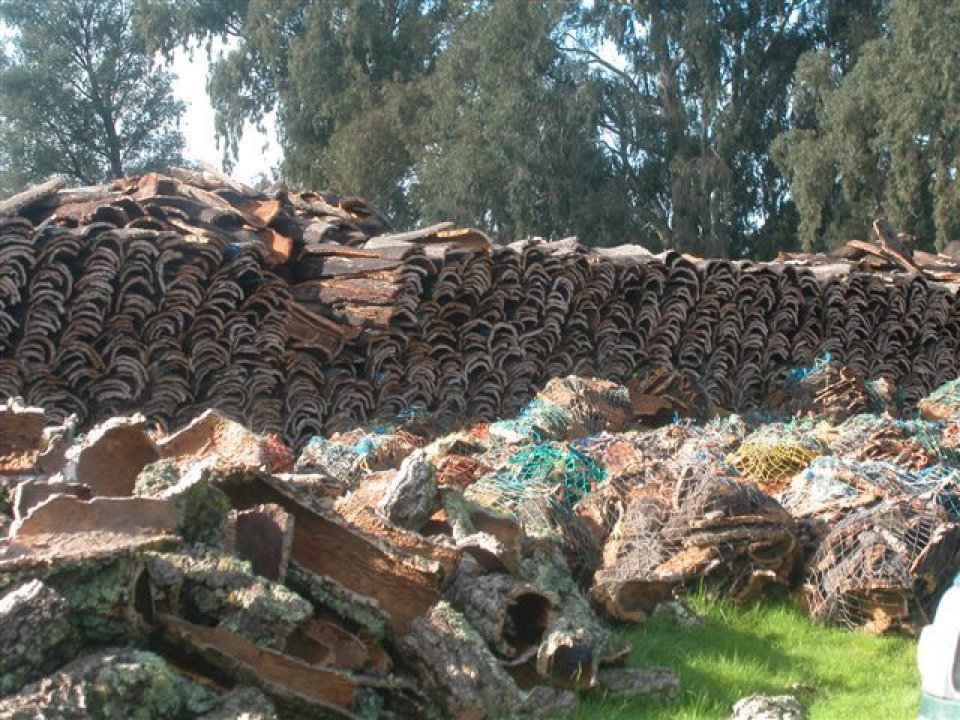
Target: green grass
(774, 649)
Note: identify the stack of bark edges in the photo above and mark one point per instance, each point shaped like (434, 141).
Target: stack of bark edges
(302, 313)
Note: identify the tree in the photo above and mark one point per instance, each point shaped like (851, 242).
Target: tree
(613, 120)
(341, 75)
(882, 139)
(511, 140)
(80, 94)
(695, 91)
(430, 108)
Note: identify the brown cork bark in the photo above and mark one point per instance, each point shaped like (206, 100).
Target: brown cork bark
(324, 544)
(293, 683)
(511, 615)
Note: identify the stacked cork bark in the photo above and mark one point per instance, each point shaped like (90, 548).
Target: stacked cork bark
(301, 313)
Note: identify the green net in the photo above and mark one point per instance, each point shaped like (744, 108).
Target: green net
(554, 465)
(539, 485)
(538, 422)
(568, 408)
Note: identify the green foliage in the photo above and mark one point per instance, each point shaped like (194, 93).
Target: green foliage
(772, 649)
(510, 140)
(690, 115)
(342, 75)
(80, 94)
(716, 128)
(431, 108)
(881, 139)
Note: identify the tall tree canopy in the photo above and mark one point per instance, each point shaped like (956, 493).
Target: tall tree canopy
(431, 108)
(341, 75)
(649, 120)
(884, 138)
(696, 94)
(511, 135)
(80, 94)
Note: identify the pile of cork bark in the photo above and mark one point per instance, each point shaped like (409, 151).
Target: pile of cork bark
(199, 573)
(301, 313)
(382, 573)
(246, 463)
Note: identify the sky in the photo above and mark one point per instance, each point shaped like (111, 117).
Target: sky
(259, 152)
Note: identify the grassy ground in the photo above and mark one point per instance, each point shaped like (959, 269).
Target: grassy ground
(772, 649)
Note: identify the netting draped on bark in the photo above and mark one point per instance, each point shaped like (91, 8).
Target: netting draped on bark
(693, 525)
(346, 456)
(740, 505)
(831, 390)
(538, 482)
(943, 403)
(530, 535)
(884, 566)
(539, 421)
(774, 453)
(910, 443)
(830, 480)
(566, 409)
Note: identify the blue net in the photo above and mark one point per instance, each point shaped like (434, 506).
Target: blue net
(338, 460)
(798, 374)
(830, 479)
(538, 422)
(346, 456)
(550, 465)
(817, 485)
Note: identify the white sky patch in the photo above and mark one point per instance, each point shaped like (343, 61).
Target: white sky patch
(259, 152)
